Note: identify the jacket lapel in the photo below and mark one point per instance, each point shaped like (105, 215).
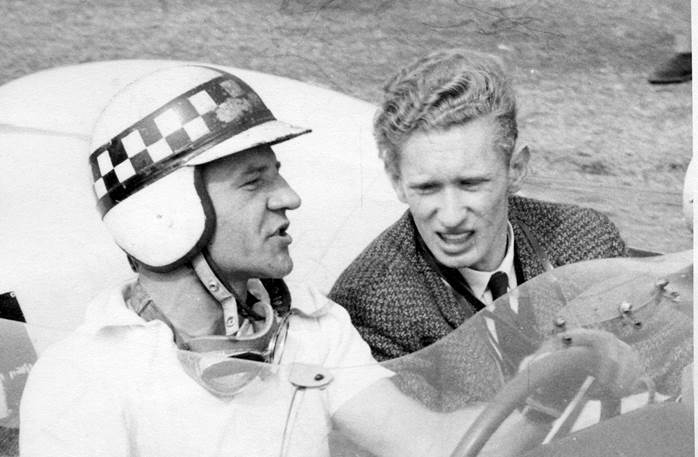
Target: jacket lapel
(529, 263)
(453, 311)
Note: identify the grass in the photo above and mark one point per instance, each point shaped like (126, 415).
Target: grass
(586, 110)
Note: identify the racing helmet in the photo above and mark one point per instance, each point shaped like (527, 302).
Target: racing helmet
(146, 145)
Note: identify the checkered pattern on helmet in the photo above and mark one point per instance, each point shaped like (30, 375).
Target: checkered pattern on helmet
(164, 140)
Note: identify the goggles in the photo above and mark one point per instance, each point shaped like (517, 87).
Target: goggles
(225, 365)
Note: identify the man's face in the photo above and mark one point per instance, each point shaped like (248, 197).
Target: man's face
(456, 186)
(250, 199)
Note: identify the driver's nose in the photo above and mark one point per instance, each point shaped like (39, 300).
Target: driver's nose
(283, 197)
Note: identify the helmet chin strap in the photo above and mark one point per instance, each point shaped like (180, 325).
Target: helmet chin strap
(219, 291)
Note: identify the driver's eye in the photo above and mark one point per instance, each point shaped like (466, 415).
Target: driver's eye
(252, 183)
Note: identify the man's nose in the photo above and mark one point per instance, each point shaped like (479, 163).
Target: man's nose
(283, 197)
(452, 209)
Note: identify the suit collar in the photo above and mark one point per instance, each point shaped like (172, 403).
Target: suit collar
(528, 261)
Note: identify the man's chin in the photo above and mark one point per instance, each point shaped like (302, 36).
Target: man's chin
(453, 255)
(283, 268)
(457, 264)
(462, 260)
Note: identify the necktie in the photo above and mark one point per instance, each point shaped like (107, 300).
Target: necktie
(498, 284)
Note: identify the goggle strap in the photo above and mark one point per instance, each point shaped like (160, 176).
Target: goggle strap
(219, 291)
(156, 314)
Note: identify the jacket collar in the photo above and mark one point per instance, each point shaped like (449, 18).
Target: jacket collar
(528, 262)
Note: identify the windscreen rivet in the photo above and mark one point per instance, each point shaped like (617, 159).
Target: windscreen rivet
(662, 283)
(625, 307)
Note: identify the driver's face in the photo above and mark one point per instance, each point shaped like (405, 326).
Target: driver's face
(456, 185)
(250, 199)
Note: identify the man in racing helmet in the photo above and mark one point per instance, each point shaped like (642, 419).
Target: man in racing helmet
(164, 190)
(189, 187)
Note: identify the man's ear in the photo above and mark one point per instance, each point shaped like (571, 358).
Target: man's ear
(518, 168)
(397, 186)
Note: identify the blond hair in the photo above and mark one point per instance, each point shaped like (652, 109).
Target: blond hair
(444, 89)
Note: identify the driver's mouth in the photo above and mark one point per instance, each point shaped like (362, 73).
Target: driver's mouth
(455, 238)
(282, 230)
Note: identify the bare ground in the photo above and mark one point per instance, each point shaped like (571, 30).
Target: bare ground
(599, 133)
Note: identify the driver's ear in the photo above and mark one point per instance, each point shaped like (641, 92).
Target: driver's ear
(518, 168)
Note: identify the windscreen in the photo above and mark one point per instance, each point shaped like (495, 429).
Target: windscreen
(509, 380)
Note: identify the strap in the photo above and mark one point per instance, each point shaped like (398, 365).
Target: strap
(218, 290)
(254, 340)
(144, 306)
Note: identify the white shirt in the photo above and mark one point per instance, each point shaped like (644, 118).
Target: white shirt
(478, 280)
(116, 388)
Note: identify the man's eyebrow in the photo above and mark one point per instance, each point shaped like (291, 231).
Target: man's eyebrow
(254, 169)
(477, 179)
(422, 183)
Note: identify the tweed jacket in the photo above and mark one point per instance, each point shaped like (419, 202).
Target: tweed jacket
(400, 304)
